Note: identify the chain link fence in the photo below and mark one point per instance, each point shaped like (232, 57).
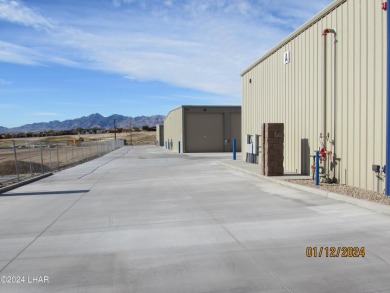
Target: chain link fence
(21, 160)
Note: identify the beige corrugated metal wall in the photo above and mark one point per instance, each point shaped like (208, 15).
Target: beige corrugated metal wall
(236, 129)
(292, 93)
(173, 129)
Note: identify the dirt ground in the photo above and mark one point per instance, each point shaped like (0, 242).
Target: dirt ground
(132, 138)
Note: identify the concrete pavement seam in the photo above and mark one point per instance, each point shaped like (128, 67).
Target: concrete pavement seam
(239, 243)
(40, 234)
(105, 163)
(48, 227)
(268, 271)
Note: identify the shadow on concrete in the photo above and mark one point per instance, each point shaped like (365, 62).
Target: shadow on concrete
(45, 192)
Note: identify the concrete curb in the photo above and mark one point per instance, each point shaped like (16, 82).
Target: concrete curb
(373, 206)
(25, 182)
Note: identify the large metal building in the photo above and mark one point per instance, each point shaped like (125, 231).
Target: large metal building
(327, 83)
(194, 129)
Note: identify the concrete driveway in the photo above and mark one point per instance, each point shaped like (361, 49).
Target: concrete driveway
(143, 219)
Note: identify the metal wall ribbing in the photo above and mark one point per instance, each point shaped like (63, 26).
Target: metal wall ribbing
(292, 93)
(173, 129)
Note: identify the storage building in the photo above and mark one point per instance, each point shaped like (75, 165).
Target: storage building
(326, 83)
(194, 129)
(160, 135)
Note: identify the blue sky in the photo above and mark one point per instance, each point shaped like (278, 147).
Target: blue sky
(65, 59)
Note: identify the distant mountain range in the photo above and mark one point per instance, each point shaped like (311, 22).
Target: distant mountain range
(87, 122)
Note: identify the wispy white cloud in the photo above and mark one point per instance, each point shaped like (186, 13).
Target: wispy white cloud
(16, 12)
(168, 3)
(118, 3)
(197, 44)
(13, 53)
(8, 106)
(4, 82)
(196, 99)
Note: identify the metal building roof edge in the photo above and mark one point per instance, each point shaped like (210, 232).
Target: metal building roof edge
(211, 106)
(201, 106)
(297, 32)
(174, 109)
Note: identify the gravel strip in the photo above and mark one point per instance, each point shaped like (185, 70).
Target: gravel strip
(346, 190)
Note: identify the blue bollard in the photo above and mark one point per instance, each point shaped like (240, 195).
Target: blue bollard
(317, 168)
(234, 149)
(179, 147)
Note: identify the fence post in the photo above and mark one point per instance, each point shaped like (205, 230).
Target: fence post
(51, 167)
(82, 153)
(58, 159)
(72, 154)
(16, 160)
(29, 155)
(77, 153)
(66, 156)
(40, 144)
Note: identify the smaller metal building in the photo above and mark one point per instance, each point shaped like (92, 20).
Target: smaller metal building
(197, 129)
(160, 135)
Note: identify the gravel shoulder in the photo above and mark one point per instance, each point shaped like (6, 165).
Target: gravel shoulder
(346, 190)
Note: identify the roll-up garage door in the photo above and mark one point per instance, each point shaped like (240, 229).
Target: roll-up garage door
(204, 132)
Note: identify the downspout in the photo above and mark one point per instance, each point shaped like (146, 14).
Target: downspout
(387, 182)
(325, 137)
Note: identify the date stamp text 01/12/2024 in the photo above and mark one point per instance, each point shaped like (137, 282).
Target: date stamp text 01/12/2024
(332, 251)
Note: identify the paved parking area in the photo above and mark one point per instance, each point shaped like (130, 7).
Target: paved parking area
(143, 219)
